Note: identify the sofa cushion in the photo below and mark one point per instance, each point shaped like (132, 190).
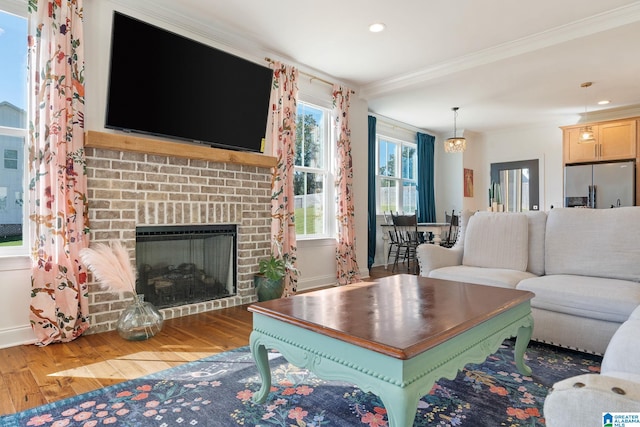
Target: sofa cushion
(496, 240)
(594, 242)
(595, 297)
(537, 224)
(499, 277)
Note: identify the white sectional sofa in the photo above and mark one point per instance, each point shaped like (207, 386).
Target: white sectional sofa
(582, 400)
(583, 265)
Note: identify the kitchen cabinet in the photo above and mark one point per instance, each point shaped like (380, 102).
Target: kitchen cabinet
(615, 140)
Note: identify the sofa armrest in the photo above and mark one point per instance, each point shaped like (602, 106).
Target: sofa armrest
(581, 400)
(623, 349)
(431, 257)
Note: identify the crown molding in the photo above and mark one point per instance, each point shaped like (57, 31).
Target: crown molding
(584, 27)
(220, 34)
(610, 114)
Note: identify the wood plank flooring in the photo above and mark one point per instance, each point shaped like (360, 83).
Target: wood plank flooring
(31, 376)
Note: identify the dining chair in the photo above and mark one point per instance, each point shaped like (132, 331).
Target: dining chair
(452, 235)
(393, 235)
(408, 236)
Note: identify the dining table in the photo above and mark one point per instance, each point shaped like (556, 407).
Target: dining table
(436, 228)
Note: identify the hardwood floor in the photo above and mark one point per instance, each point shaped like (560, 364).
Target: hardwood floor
(31, 376)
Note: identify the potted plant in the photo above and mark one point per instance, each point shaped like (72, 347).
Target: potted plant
(269, 282)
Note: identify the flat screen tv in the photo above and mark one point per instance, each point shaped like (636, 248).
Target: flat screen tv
(164, 84)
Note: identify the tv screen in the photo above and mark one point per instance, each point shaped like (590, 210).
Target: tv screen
(163, 84)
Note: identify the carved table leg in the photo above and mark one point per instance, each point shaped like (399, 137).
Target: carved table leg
(522, 341)
(261, 358)
(401, 405)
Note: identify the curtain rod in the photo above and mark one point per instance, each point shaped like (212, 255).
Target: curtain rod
(398, 124)
(311, 76)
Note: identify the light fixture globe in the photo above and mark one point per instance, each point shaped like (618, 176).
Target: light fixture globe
(586, 132)
(455, 144)
(586, 135)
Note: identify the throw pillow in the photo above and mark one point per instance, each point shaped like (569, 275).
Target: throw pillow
(497, 240)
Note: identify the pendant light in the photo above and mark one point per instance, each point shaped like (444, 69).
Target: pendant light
(455, 144)
(586, 132)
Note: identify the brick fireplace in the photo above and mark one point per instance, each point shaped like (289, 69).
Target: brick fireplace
(129, 189)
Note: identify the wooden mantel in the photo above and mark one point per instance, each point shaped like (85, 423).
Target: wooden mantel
(126, 142)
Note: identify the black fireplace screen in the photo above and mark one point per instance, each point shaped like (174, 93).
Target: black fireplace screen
(180, 265)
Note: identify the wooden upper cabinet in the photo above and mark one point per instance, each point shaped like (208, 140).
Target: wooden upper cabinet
(617, 140)
(613, 141)
(576, 152)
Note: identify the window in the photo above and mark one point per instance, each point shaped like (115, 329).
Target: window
(397, 175)
(313, 182)
(11, 159)
(13, 126)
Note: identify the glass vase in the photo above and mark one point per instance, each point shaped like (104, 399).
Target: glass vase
(140, 320)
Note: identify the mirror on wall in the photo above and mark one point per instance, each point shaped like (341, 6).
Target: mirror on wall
(519, 184)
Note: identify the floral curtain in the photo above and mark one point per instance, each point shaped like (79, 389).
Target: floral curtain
(348, 271)
(57, 181)
(282, 134)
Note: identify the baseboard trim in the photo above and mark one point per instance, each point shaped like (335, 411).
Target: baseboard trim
(308, 284)
(11, 337)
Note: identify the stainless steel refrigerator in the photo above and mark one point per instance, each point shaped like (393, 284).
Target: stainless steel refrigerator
(601, 185)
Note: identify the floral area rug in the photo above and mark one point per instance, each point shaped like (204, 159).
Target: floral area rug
(217, 391)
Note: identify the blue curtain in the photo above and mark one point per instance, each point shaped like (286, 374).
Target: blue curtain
(426, 192)
(372, 193)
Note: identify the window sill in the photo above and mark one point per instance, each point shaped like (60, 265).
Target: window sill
(315, 242)
(17, 262)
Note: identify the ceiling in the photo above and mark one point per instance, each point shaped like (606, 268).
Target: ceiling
(505, 63)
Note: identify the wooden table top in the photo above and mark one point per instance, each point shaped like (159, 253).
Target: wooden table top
(400, 316)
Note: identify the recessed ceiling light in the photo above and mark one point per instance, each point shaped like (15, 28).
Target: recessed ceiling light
(604, 102)
(377, 27)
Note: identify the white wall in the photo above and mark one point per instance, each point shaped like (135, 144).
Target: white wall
(448, 179)
(475, 159)
(543, 143)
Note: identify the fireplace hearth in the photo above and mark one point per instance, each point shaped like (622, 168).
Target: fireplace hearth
(180, 265)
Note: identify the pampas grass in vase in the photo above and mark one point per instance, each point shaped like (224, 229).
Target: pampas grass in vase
(112, 269)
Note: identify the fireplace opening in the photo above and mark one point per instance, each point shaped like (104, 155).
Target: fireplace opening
(180, 265)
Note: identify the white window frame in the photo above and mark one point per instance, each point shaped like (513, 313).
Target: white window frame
(398, 172)
(18, 8)
(328, 170)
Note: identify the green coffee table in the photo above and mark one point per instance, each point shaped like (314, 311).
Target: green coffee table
(395, 337)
